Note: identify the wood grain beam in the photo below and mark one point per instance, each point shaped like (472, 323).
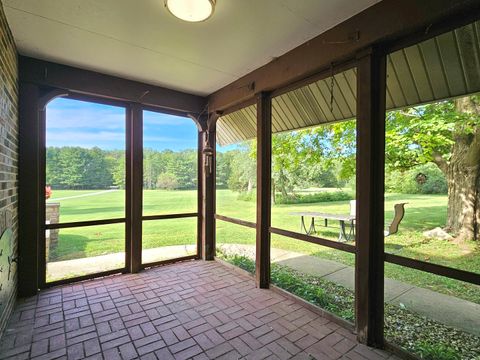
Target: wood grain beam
(45, 73)
(29, 193)
(264, 175)
(208, 191)
(369, 267)
(135, 188)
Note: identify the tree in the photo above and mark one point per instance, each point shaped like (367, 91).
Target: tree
(154, 163)
(243, 168)
(288, 153)
(167, 181)
(183, 166)
(335, 147)
(446, 133)
(52, 171)
(299, 158)
(307, 157)
(224, 168)
(72, 164)
(79, 168)
(117, 159)
(98, 172)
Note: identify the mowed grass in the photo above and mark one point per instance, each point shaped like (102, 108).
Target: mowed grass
(82, 205)
(423, 212)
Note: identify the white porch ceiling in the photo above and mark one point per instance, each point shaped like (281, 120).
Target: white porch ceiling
(140, 40)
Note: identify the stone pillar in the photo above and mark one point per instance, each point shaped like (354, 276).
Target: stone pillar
(52, 216)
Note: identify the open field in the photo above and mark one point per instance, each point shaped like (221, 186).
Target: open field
(423, 212)
(98, 240)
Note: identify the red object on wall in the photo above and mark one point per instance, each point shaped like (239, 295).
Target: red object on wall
(48, 192)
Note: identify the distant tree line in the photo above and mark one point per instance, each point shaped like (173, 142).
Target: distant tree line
(79, 168)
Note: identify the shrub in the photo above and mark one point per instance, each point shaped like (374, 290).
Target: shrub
(334, 298)
(167, 181)
(247, 196)
(440, 351)
(409, 182)
(242, 262)
(324, 196)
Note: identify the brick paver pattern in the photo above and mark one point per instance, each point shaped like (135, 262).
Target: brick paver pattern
(199, 310)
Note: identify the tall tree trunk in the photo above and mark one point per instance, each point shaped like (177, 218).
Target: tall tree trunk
(250, 185)
(282, 180)
(463, 212)
(462, 172)
(273, 192)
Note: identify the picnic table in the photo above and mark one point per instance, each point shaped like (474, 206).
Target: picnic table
(343, 219)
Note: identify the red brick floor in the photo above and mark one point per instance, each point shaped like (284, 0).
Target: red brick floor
(199, 310)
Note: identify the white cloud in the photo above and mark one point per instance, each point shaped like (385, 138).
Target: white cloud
(60, 119)
(81, 138)
(66, 114)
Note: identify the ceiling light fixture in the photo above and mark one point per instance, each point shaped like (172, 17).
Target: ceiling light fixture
(191, 10)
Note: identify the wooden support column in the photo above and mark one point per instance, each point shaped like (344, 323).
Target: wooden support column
(199, 192)
(369, 274)
(134, 187)
(208, 169)
(30, 194)
(264, 175)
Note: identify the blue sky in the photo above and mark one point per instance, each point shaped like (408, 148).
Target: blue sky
(78, 123)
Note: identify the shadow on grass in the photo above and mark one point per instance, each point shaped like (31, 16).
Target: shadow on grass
(69, 247)
(420, 218)
(75, 246)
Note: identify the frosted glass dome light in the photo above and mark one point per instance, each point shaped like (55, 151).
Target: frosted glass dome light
(191, 10)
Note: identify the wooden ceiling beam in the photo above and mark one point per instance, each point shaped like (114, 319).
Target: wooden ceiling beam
(45, 73)
(385, 22)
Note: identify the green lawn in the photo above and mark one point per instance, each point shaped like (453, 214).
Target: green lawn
(75, 243)
(423, 212)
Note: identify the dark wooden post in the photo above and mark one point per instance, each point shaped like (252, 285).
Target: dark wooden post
(264, 172)
(199, 191)
(369, 273)
(30, 204)
(134, 187)
(208, 169)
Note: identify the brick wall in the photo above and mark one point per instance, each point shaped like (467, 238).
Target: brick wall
(8, 169)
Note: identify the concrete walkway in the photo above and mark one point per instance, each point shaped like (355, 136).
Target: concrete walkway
(82, 195)
(69, 268)
(448, 310)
